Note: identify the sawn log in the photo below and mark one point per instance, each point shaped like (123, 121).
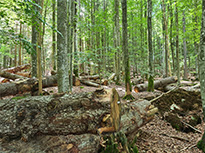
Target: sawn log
(73, 117)
(18, 68)
(158, 83)
(25, 85)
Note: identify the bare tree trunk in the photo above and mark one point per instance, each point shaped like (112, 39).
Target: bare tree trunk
(19, 62)
(54, 35)
(149, 26)
(125, 51)
(185, 48)
(201, 143)
(62, 56)
(117, 41)
(177, 43)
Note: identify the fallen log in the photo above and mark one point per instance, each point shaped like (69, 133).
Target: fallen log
(9, 75)
(112, 76)
(102, 82)
(89, 77)
(25, 85)
(73, 117)
(158, 83)
(25, 74)
(90, 83)
(18, 68)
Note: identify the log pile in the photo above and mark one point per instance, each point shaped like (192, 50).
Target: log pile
(70, 122)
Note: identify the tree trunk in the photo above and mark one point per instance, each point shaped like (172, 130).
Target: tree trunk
(167, 62)
(117, 41)
(79, 116)
(158, 83)
(171, 37)
(125, 50)
(201, 143)
(185, 48)
(62, 56)
(19, 61)
(177, 43)
(151, 64)
(34, 41)
(54, 35)
(39, 52)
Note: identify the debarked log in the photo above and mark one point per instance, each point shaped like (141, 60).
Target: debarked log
(158, 83)
(68, 114)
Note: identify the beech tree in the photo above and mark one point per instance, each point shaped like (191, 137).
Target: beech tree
(125, 51)
(62, 56)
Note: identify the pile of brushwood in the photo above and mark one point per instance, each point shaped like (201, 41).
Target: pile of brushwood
(181, 108)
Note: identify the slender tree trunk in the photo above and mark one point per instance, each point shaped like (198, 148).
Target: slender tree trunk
(15, 51)
(39, 52)
(171, 36)
(75, 46)
(54, 35)
(117, 41)
(177, 43)
(62, 56)
(149, 27)
(125, 50)
(185, 48)
(34, 41)
(70, 40)
(43, 49)
(19, 62)
(167, 62)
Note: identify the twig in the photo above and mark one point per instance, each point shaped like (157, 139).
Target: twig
(188, 147)
(191, 127)
(163, 95)
(175, 137)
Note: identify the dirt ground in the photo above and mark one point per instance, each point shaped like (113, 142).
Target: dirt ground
(157, 136)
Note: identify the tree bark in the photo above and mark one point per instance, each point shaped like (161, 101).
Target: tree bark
(125, 50)
(177, 43)
(151, 64)
(62, 56)
(158, 83)
(201, 143)
(10, 75)
(185, 48)
(17, 69)
(28, 84)
(77, 115)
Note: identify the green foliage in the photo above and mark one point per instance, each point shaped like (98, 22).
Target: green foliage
(201, 145)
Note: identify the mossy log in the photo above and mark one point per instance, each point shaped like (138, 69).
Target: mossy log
(78, 116)
(158, 83)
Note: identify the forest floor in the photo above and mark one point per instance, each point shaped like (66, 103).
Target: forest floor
(157, 136)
